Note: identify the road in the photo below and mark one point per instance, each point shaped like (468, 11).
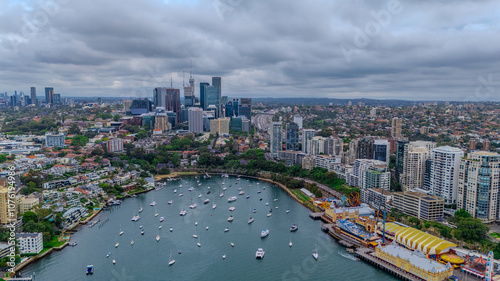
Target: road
(263, 122)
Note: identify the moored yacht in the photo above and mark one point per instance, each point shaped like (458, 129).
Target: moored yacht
(183, 213)
(157, 238)
(260, 253)
(232, 208)
(232, 199)
(230, 218)
(170, 202)
(206, 201)
(250, 220)
(241, 192)
(264, 233)
(136, 218)
(221, 195)
(294, 227)
(192, 206)
(152, 204)
(214, 206)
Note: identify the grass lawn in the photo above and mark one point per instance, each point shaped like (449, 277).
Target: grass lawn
(302, 197)
(495, 235)
(54, 243)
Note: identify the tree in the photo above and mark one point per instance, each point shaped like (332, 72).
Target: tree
(141, 184)
(462, 214)
(30, 216)
(74, 129)
(30, 188)
(116, 118)
(3, 158)
(470, 229)
(79, 141)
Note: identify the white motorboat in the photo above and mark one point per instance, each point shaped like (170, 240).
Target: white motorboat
(162, 219)
(152, 204)
(180, 194)
(287, 211)
(248, 196)
(136, 218)
(109, 254)
(224, 188)
(195, 236)
(121, 231)
(230, 218)
(232, 199)
(315, 255)
(214, 206)
(193, 206)
(275, 199)
(170, 202)
(171, 262)
(159, 227)
(223, 256)
(183, 213)
(221, 195)
(116, 245)
(199, 196)
(132, 243)
(250, 220)
(180, 185)
(175, 190)
(227, 229)
(241, 192)
(206, 228)
(206, 201)
(267, 203)
(264, 233)
(140, 210)
(232, 208)
(232, 244)
(198, 244)
(114, 262)
(171, 229)
(157, 238)
(195, 223)
(260, 253)
(191, 188)
(269, 214)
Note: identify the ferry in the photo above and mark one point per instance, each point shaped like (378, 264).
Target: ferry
(264, 233)
(232, 199)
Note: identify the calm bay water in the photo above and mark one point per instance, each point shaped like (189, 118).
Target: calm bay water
(148, 259)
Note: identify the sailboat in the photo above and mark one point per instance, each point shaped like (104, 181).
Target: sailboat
(121, 231)
(171, 261)
(140, 209)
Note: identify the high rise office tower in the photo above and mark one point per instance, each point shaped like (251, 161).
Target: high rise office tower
(126, 105)
(33, 96)
(160, 97)
(276, 138)
(203, 94)
(307, 134)
(292, 136)
(396, 128)
(478, 185)
(195, 119)
(415, 156)
(298, 120)
(245, 108)
(382, 151)
(217, 82)
(212, 98)
(57, 99)
(189, 98)
(140, 106)
(232, 108)
(444, 172)
(49, 95)
(173, 103)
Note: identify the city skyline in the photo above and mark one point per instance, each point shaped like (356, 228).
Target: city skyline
(376, 49)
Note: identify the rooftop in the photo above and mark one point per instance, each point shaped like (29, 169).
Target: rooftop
(416, 258)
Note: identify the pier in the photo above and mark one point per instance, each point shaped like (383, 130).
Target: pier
(315, 216)
(366, 255)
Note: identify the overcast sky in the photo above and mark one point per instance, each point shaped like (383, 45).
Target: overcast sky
(414, 50)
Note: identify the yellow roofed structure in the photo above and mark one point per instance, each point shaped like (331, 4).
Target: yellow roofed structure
(419, 240)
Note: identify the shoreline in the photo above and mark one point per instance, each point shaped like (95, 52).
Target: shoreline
(20, 266)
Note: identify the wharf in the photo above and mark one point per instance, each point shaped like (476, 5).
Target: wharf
(315, 216)
(365, 254)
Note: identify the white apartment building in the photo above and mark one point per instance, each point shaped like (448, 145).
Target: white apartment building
(445, 162)
(415, 155)
(30, 243)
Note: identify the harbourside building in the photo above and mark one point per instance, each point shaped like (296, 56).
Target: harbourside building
(29, 243)
(414, 262)
(276, 138)
(444, 170)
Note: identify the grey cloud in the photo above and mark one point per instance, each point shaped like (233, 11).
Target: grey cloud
(429, 50)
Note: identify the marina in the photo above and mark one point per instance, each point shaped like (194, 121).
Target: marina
(147, 256)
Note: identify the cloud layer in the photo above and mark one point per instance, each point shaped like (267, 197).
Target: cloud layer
(415, 50)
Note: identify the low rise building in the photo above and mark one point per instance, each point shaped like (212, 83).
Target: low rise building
(376, 197)
(419, 205)
(26, 203)
(30, 243)
(5, 249)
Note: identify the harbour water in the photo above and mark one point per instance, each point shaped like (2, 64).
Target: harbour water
(148, 259)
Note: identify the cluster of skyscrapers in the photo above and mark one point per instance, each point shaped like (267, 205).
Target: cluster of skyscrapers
(22, 99)
(210, 108)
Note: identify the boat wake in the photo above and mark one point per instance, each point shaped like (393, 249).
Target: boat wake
(347, 255)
